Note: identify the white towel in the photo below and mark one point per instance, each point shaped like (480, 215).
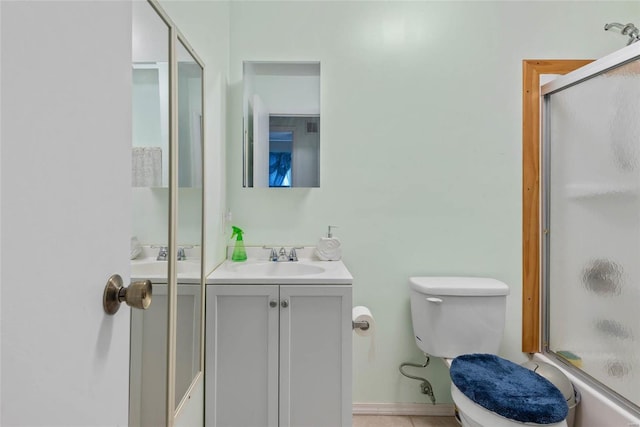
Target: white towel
(146, 167)
(136, 247)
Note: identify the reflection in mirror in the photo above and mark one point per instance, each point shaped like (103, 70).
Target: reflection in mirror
(150, 157)
(281, 110)
(189, 230)
(150, 167)
(189, 120)
(150, 102)
(150, 92)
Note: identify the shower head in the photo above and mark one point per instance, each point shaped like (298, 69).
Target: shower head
(607, 27)
(626, 30)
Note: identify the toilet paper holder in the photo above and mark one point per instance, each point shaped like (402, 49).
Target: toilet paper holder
(360, 324)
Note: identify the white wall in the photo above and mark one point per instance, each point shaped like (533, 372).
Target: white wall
(421, 147)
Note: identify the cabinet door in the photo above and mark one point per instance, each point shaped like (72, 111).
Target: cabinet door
(242, 356)
(315, 356)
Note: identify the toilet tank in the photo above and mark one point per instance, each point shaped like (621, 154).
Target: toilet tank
(457, 315)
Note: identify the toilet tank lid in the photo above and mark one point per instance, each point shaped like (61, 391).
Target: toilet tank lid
(458, 286)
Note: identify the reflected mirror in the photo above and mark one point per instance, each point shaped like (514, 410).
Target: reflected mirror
(281, 116)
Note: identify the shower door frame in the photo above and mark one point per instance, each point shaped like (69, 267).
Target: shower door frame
(619, 58)
(532, 69)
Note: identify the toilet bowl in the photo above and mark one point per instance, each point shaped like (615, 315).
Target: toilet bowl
(473, 415)
(464, 317)
(491, 391)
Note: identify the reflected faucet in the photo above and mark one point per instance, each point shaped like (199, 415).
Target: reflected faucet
(162, 253)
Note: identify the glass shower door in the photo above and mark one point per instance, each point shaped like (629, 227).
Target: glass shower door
(592, 221)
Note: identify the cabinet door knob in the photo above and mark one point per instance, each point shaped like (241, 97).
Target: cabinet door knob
(273, 303)
(284, 303)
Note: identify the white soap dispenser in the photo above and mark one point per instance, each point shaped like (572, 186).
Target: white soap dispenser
(328, 248)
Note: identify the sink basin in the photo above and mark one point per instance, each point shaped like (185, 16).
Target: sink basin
(258, 270)
(276, 269)
(150, 269)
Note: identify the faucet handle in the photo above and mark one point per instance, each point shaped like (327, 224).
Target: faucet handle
(273, 256)
(182, 255)
(162, 252)
(293, 256)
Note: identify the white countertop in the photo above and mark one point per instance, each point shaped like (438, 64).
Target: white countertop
(259, 270)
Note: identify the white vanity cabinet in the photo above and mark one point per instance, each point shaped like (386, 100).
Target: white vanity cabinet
(278, 355)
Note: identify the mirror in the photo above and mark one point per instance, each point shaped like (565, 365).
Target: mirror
(150, 216)
(167, 166)
(150, 156)
(189, 316)
(281, 116)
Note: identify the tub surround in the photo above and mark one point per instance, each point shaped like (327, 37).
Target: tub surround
(595, 409)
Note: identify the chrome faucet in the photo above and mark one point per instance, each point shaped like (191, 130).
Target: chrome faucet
(282, 255)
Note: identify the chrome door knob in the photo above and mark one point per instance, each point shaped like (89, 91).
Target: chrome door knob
(284, 303)
(273, 303)
(137, 295)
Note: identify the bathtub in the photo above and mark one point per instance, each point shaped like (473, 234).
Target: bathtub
(595, 409)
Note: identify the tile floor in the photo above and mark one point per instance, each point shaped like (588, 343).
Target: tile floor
(402, 421)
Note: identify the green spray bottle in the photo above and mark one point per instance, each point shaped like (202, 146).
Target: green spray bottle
(239, 253)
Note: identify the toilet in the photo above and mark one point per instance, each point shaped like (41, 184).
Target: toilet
(461, 319)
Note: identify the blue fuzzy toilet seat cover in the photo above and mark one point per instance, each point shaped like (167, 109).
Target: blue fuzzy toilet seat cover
(507, 389)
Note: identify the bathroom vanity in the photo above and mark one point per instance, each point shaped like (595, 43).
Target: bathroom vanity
(278, 344)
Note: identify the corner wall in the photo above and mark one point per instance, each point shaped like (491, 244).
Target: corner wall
(420, 147)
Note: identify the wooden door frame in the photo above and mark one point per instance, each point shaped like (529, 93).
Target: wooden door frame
(531, 203)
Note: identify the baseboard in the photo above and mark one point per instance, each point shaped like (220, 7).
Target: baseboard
(419, 409)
